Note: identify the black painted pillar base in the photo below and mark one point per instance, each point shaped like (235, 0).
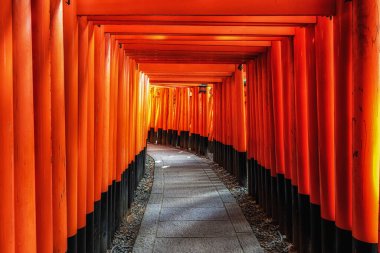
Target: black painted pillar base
(110, 215)
(90, 236)
(203, 145)
(118, 205)
(343, 240)
(186, 140)
(81, 240)
(281, 202)
(192, 142)
(268, 192)
(304, 223)
(169, 137)
(104, 222)
(164, 136)
(288, 211)
(159, 136)
(328, 235)
(295, 216)
(229, 157)
(175, 138)
(181, 139)
(250, 177)
(315, 228)
(260, 186)
(235, 166)
(242, 171)
(255, 179)
(72, 244)
(274, 199)
(97, 226)
(211, 147)
(151, 136)
(361, 247)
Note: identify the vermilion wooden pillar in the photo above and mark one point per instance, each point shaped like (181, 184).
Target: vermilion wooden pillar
(7, 180)
(121, 135)
(255, 129)
(271, 137)
(314, 200)
(289, 133)
(261, 151)
(343, 125)
(277, 86)
(325, 94)
(106, 145)
(70, 32)
(24, 160)
(58, 128)
(99, 104)
(90, 142)
(82, 129)
(366, 126)
(43, 130)
(301, 87)
(266, 133)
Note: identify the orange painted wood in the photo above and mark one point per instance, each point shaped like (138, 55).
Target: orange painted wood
(170, 37)
(201, 30)
(24, 148)
(289, 110)
(325, 95)
(259, 104)
(209, 7)
(70, 33)
(58, 128)
(240, 111)
(301, 111)
(218, 20)
(7, 177)
(271, 130)
(82, 119)
(312, 116)
(91, 121)
(107, 104)
(99, 87)
(43, 125)
(366, 124)
(121, 131)
(278, 105)
(343, 106)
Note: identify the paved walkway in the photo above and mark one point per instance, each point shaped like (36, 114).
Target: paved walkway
(190, 209)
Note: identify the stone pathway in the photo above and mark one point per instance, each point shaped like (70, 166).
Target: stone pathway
(190, 209)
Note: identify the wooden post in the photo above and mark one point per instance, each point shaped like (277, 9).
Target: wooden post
(7, 179)
(366, 126)
(24, 149)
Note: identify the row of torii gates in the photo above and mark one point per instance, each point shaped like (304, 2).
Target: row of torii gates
(285, 94)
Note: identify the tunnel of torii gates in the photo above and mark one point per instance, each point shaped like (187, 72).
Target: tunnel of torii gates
(285, 94)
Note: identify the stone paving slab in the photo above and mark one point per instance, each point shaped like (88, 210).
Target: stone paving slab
(193, 214)
(199, 245)
(238, 220)
(190, 209)
(211, 202)
(195, 229)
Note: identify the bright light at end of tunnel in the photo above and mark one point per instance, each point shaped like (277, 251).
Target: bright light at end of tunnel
(159, 161)
(166, 166)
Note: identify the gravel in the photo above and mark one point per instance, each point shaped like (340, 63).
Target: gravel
(125, 236)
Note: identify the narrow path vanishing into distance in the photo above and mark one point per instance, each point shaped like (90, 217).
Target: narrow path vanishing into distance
(190, 209)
